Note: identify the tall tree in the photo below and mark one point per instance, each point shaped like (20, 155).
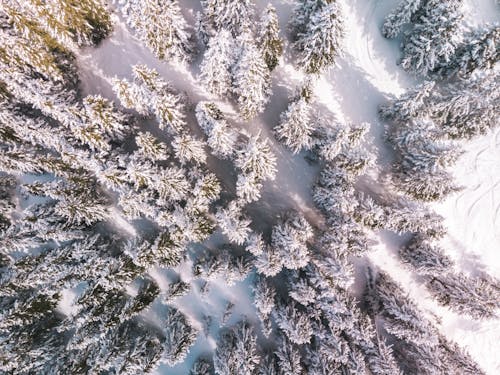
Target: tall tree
(269, 40)
(162, 27)
(434, 37)
(252, 82)
(84, 23)
(231, 15)
(295, 126)
(400, 16)
(479, 51)
(321, 42)
(218, 61)
(236, 352)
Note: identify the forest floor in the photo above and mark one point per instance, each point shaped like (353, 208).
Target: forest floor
(366, 76)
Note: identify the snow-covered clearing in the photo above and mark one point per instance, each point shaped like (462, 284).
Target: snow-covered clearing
(364, 78)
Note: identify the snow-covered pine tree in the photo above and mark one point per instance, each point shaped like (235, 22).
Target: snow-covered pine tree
(202, 366)
(467, 108)
(85, 23)
(479, 51)
(176, 289)
(268, 365)
(398, 214)
(150, 147)
(264, 294)
(269, 40)
(295, 129)
(378, 355)
(434, 37)
(29, 332)
(302, 13)
(255, 156)
(222, 264)
(34, 67)
(418, 346)
(251, 79)
(321, 42)
(218, 62)
(233, 223)
(425, 258)
(237, 351)
(59, 268)
(294, 323)
(288, 357)
(400, 16)
(301, 291)
(150, 95)
(136, 347)
(7, 205)
(462, 110)
(221, 137)
(289, 238)
(473, 296)
(231, 15)
(269, 262)
(412, 104)
(189, 149)
(423, 156)
(162, 27)
(37, 225)
(179, 337)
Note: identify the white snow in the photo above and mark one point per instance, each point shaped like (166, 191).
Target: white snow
(364, 78)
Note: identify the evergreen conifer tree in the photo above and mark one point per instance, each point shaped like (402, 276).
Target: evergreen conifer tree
(218, 61)
(162, 27)
(320, 42)
(251, 81)
(236, 351)
(269, 40)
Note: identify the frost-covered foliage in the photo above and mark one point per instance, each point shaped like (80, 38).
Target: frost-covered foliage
(423, 158)
(179, 337)
(251, 154)
(162, 27)
(101, 204)
(72, 24)
(251, 80)
(480, 50)
(295, 324)
(236, 351)
(400, 16)
(151, 95)
(218, 63)
(221, 137)
(295, 127)
(418, 346)
(288, 247)
(474, 296)
(290, 239)
(319, 29)
(268, 38)
(434, 34)
(256, 157)
(399, 215)
(202, 366)
(222, 264)
(233, 223)
(231, 15)
(462, 110)
(264, 302)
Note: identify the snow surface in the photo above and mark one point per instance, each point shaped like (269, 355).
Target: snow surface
(366, 76)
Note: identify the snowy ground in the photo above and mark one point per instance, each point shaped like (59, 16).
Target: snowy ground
(365, 77)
